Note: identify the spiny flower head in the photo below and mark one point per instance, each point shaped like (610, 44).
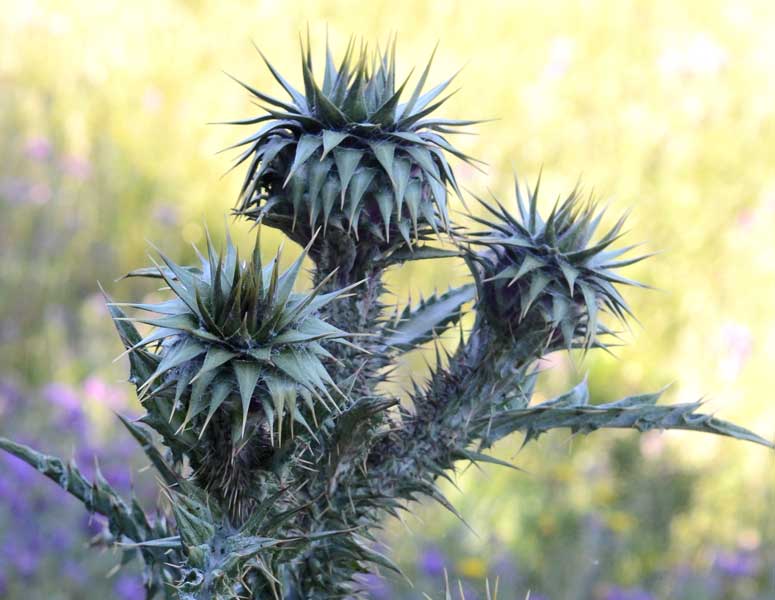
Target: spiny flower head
(551, 269)
(349, 153)
(235, 337)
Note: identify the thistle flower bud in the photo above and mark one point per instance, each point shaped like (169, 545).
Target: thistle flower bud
(234, 349)
(549, 274)
(348, 154)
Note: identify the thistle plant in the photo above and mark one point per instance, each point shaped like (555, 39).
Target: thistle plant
(278, 447)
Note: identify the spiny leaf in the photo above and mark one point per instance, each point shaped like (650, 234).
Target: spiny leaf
(433, 315)
(629, 415)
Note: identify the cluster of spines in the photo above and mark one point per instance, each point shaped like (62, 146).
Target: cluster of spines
(236, 329)
(349, 153)
(550, 271)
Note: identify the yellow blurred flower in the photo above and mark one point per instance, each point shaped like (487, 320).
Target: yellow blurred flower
(603, 493)
(620, 522)
(472, 567)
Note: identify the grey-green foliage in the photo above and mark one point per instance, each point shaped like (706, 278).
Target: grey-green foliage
(349, 154)
(279, 451)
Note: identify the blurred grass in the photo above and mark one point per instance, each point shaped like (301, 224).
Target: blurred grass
(662, 107)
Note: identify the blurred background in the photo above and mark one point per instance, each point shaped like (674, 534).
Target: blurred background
(660, 107)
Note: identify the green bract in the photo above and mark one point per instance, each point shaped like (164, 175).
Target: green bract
(551, 272)
(349, 153)
(235, 331)
(234, 347)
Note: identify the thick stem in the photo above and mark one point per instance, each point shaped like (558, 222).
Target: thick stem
(483, 374)
(388, 469)
(405, 463)
(358, 313)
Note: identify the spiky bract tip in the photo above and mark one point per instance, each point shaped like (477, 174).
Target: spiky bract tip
(549, 273)
(348, 153)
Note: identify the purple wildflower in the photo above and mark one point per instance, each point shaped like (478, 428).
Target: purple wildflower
(620, 593)
(74, 572)
(64, 398)
(94, 524)
(25, 562)
(13, 495)
(129, 587)
(123, 449)
(38, 148)
(19, 470)
(97, 389)
(736, 564)
(119, 477)
(61, 395)
(61, 539)
(504, 567)
(432, 562)
(469, 593)
(377, 587)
